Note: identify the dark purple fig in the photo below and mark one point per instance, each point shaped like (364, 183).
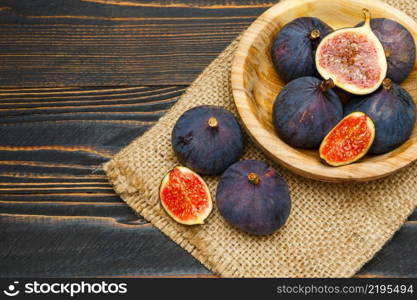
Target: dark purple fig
(305, 110)
(293, 51)
(253, 197)
(393, 111)
(207, 139)
(399, 46)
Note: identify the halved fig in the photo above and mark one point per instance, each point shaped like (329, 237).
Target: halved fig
(349, 140)
(185, 196)
(353, 58)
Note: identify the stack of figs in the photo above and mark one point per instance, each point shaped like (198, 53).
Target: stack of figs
(342, 97)
(343, 93)
(250, 195)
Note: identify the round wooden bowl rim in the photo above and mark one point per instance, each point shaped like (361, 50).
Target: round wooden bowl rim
(285, 155)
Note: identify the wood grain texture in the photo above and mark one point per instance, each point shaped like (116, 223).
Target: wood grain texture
(106, 43)
(255, 86)
(74, 246)
(59, 216)
(53, 141)
(58, 213)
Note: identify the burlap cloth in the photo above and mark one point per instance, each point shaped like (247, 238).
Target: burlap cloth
(333, 228)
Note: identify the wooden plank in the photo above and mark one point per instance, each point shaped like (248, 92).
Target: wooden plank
(93, 246)
(75, 246)
(413, 216)
(82, 125)
(106, 43)
(53, 141)
(118, 211)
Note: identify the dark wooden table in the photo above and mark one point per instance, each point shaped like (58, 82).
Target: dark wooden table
(79, 80)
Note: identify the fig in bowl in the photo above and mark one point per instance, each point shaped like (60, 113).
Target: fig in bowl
(293, 51)
(393, 111)
(399, 47)
(305, 110)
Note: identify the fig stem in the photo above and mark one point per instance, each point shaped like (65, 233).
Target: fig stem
(254, 178)
(387, 52)
(315, 34)
(367, 15)
(327, 85)
(387, 84)
(212, 122)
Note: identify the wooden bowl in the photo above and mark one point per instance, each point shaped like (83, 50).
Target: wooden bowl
(256, 84)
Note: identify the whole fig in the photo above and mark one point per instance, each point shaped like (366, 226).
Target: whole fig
(399, 46)
(253, 197)
(393, 111)
(207, 139)
(305, 110)
(293, 50)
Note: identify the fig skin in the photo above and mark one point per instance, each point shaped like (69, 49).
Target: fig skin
(207, 139)
(303, 113)
(293, 50)
(399, 46)
(253, 197)
(393, 111)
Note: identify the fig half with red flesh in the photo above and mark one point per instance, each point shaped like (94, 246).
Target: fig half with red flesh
(353, 58)
(185, 196)
(349, 140)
